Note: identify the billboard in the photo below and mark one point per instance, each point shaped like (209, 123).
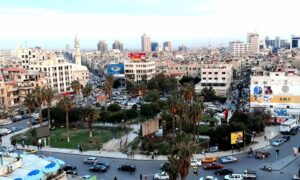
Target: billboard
(137, 56)
(149, 127)
(236, 137)
(113, 69)
(42, 132)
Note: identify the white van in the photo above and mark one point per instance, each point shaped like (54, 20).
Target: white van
(288, 125)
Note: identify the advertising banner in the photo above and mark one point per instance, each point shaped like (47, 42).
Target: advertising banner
(236, 137)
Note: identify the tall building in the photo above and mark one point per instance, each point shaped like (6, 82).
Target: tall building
(238, 48)
(253, 40)
(267, 41)
(117, 45)
(139, 70)
(102, 46)
(167, 46)
(77, 51)
(154, 46)
(146, 43)
(182, 48)
(295, 42)
(277, 42)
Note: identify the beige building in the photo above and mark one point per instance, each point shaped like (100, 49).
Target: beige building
(77, 54)
(139, 70)
(239, 48)
(253, 41)
(217, 76)
(146, 43)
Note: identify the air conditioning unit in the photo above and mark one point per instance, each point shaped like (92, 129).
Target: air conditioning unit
(10, 168)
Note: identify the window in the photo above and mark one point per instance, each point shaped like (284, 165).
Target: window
(216, 78)
(209, 72)
(223, 73)
(204, 72)
(265, 82)
(216, 72)
(255, 82)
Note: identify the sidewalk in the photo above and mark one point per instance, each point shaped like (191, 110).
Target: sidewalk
(262, 143)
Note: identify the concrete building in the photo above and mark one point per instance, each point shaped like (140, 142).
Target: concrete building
(167, 46)
(77, 54)
(295, 42)
(102, 46)
(238, 48)
(182, 48)
(154, 46)
(276, 91)
(117, 45)
(217, 76)
(139, 70)
(146, 43)
(253, 40)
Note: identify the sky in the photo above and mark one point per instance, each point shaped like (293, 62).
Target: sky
(195, 23)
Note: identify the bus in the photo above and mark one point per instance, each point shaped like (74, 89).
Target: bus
(288, 125)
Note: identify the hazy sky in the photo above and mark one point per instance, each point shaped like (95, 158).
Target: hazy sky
(54, 23)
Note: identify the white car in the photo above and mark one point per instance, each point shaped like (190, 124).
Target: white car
(196, 162)
(277, 142)
(36, 115)
(161, 176)
(228, 159)
(208, 178)
(90, 160)
(233, 177)
(5, 131)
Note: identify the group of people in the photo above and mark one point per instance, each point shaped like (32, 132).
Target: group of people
(130, 155)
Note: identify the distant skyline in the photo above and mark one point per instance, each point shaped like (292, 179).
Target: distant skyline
(54, 23)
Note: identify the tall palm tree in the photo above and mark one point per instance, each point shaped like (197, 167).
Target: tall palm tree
(188, 92)
(172, 168)
(195, 114)
(76, 86)
(174, 106)
(67, 105)
(31, 104)
(38, 94)
(164, 118)
(108, 87)
(87, 90)
(89, 115)
(49, 95)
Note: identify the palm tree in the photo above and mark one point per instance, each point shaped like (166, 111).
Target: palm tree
(89, 115)
(76, 86)
(174, 106)
(195, 114)
(188, 92)
(108, 87)
(38, 94)
(30, 103)
(67, 105)
(172, 168)
(49, 95)
(87, 90)
(164, 118)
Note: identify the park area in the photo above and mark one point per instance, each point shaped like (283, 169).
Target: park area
(78, 136)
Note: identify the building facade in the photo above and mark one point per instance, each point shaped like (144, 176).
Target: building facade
(146, 43)
(238, 48)
(295, 42)
(102, 46)
(139, 70)
(117, 45)
(167, 46)
(77, 54)
(154, 46)
(253, 41)
(217, 76)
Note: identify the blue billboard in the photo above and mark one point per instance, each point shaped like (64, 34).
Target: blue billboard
(113, 69)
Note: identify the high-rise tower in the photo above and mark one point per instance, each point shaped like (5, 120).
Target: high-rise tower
(77, 51)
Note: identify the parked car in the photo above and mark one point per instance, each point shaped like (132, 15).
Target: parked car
(249, 174)
(262, 154)
(102, 163)
(208, 178)
(294, 131)
(127, 167)
(5, 131)
(98, 168)
(31, 151)
(266, 168)
(234, 177)
(286, 138)
(213, 165)
(277, 142)
(26, 116)
(223, 171)
(164, 165)
(90, 160)
(72, 172)
(69, 167)
(17, 118)
(161, 176)
(15, 129)
(7, 149)
(196, 162)
(209, 159)
(228, 159)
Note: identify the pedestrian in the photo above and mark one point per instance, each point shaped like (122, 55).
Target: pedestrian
(141, 176)
(80, 149)
(100, 150)
(121, 143)
(265, 137)
(152, 156)
(115, 178)
(127, 154)
(133, 155)
(23, 144)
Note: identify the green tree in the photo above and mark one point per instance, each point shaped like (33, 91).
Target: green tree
(152, 96)
(114, 108)
(90, 115)
(31, 104)
(146, 110)
(39, 96)
(48, 96)
(174, 107)
(67, 105)
(76, 86)
(208, 94)
(87, 90)
(194, 116)
(188, 92)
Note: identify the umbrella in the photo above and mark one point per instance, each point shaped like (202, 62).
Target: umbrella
(18, 179)
(35, 175)
(51, 167)
(58, 161)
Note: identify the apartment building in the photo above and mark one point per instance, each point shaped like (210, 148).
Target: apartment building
(138, 70)
(217, 76)
(239, 48)
(277, 91)
(253, 41)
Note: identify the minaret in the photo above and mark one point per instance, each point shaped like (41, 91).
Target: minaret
(77, 51)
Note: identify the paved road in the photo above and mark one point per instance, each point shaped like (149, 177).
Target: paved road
(22, 124)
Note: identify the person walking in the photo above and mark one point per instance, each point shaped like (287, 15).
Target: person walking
(115, 178)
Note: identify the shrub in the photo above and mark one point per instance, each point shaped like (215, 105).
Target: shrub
(114, 108)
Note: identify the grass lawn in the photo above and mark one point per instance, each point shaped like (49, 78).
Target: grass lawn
(77, 136)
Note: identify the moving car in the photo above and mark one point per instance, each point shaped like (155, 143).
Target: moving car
(266, 168)
(277, 142)
(102, 163)
(164, 165)
(69, 167)
(228, 159)
(98, 168)
(234, 177)
(213, 165)
(262, 154)
(294, 131)
(209, 159)
(196, 162)
(161, 176)
(17, 118)
(15, 129)
(208, 178)
(90, 160)
(72, 172)
(5, 131)
(286, 138)
(249, 174)
(127, 167)
(223, 171)
(31, 151)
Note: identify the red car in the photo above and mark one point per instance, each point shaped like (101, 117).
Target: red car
(262, 154)
(213, 165)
